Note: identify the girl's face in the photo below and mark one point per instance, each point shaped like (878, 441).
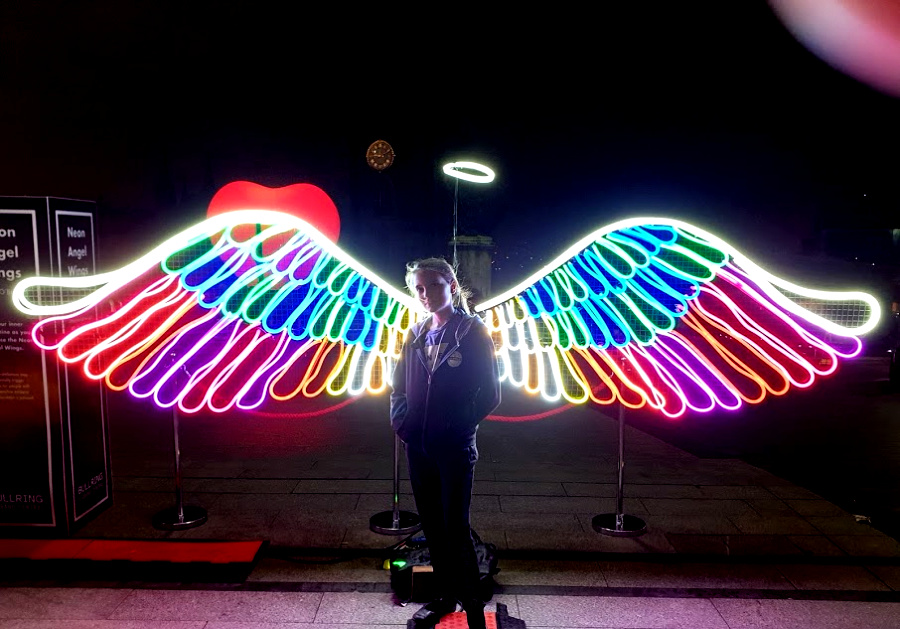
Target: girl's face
(432, 290)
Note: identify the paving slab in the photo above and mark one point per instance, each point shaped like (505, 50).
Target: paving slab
(694, 575)
(218, 605)
(825, 577)
(802, 614)
(60, 603)
(619, 612)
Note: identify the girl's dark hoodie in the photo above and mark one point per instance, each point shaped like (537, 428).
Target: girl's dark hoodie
(441, 409)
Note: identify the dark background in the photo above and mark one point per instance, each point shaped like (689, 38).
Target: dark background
(707, 111)
(711, 112)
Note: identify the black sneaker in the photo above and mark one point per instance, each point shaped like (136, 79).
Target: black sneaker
(430, 615)
(474, 614)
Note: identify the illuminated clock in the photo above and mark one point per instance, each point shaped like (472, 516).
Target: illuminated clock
(380, 155)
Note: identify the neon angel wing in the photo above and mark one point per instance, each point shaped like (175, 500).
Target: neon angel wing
(240, 307)
(659, 313)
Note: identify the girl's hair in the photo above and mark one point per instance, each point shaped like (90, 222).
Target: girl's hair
(444, 269)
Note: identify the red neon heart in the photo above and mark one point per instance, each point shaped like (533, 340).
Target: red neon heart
(303, 200)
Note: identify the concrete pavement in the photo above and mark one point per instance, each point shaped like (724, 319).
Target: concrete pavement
(728, 545)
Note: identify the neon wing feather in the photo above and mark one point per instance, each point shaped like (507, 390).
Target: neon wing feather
(657, 312)
(212, 319)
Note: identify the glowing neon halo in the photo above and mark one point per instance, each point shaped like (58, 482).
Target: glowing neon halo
(458, 170)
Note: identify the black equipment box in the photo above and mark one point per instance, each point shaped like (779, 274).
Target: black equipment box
(412, 578)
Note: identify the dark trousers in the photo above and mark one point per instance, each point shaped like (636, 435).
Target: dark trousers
(442, 486)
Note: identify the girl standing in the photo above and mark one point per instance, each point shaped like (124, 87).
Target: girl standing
(444, 384)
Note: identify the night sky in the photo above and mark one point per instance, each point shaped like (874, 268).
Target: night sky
(711, 112)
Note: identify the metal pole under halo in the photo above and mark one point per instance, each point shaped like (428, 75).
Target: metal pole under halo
(455, 214)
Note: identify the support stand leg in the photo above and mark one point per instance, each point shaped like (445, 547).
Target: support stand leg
(618, 524)
(395, 521)
(179, 517)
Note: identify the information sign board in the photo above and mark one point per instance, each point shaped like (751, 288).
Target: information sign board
(54, 454)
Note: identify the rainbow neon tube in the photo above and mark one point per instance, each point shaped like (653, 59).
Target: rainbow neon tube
(656, 312)
(648, 312)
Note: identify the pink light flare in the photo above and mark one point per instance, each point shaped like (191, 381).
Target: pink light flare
(858, 37)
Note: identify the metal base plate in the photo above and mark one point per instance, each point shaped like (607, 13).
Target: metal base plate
(169, 519)
(619, 525)
(383, 523)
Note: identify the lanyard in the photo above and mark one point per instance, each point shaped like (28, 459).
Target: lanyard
(437, 349)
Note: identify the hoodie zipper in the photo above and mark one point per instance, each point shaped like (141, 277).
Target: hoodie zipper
(456, 344)
(425, 416)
